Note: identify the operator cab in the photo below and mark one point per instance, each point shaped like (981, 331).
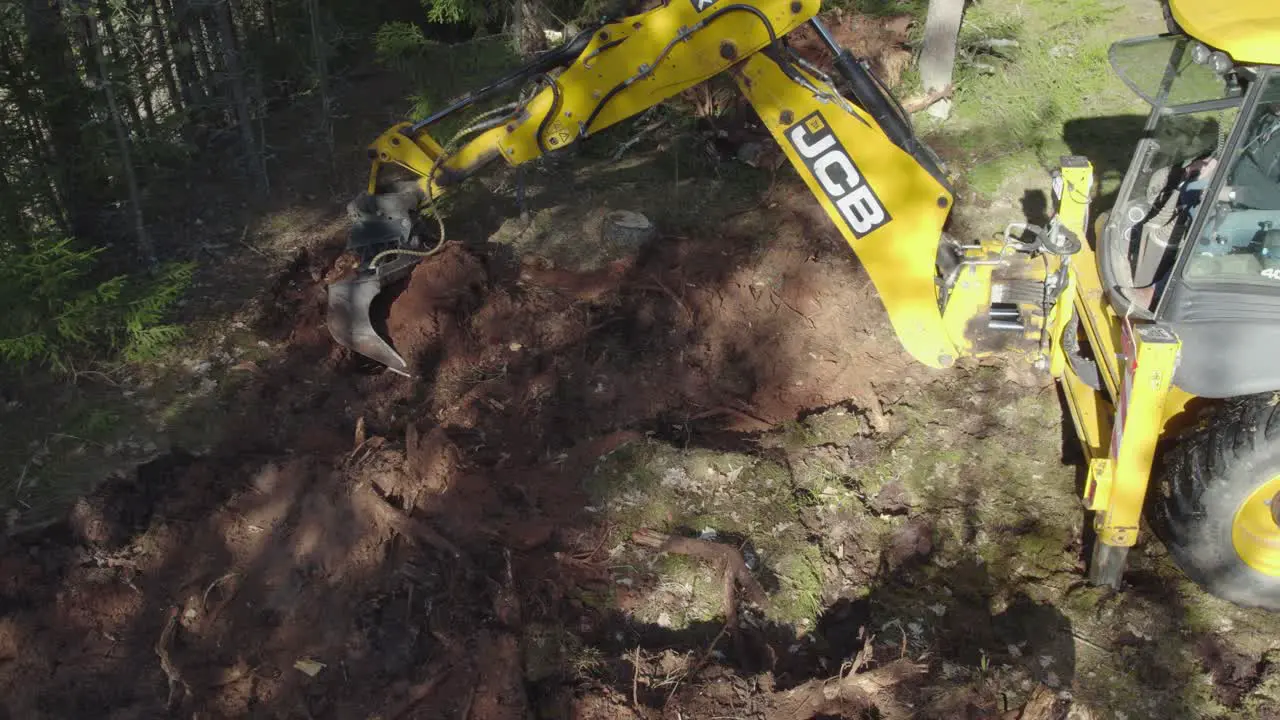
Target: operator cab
(1193, 240)
(1205, 179)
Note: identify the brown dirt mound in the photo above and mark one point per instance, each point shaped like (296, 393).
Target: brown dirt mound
(881, 40)
(307, 569)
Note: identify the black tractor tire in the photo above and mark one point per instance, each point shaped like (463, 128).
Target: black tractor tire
(1206, 476)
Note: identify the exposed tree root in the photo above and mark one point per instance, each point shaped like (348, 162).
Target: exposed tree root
(171, 671)
(419, 692)
(839, 696)
(410, 528)
(728, 558)
(732, 566)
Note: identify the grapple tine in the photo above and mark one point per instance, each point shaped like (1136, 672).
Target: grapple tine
(349, 322)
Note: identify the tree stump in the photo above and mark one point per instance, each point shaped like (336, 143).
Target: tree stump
(623, 228)
(938, 56)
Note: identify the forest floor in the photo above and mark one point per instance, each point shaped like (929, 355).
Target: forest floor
(698, 478)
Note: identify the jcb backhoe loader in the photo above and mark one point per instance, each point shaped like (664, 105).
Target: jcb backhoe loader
(1160, 319)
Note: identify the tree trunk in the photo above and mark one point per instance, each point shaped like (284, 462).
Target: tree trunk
(239, 97)
(319, 53)
(188, 17)
(38, 151)
(269, 17)
(32, 139)
(164, 52)
(204, 34)
(76, 169)
(138, 59)
(145, 248)
(938, 55)
(528, 28)
(11, 206)
(193, 95)
(111, 53)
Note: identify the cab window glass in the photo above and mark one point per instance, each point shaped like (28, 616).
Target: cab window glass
(1240, 239)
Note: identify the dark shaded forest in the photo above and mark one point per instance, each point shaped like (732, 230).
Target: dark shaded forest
(112, 112)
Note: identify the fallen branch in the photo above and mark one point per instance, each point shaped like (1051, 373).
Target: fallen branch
(419, 692)
(1040, 705)
(635, 680)
(726, 410)
(916, 104)
(997, 43)
(657, 285)
(624, 147)
(410, 528)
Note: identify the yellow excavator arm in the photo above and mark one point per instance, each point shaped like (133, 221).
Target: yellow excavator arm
(854, 150)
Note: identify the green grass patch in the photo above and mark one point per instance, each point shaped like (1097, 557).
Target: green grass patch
(799, 574)
(1033, 83)
(49, 450)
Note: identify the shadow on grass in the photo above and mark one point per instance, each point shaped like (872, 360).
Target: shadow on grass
(1108, 143)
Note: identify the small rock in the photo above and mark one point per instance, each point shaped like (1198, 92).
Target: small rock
(627, 228)
(891, 500)
(913, 540)
(750, 152)
(664, 619)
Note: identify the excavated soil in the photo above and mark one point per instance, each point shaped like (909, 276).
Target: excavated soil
(364, 545)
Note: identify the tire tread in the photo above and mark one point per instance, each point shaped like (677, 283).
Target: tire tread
(1194, 469)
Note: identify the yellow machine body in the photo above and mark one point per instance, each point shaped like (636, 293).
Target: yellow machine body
(888, 201)
(628, 67)
(889, 209)
(1244, 29)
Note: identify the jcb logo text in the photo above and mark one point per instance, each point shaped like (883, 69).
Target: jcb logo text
(835, 171)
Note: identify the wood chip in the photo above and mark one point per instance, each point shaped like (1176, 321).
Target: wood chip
(308, 667)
